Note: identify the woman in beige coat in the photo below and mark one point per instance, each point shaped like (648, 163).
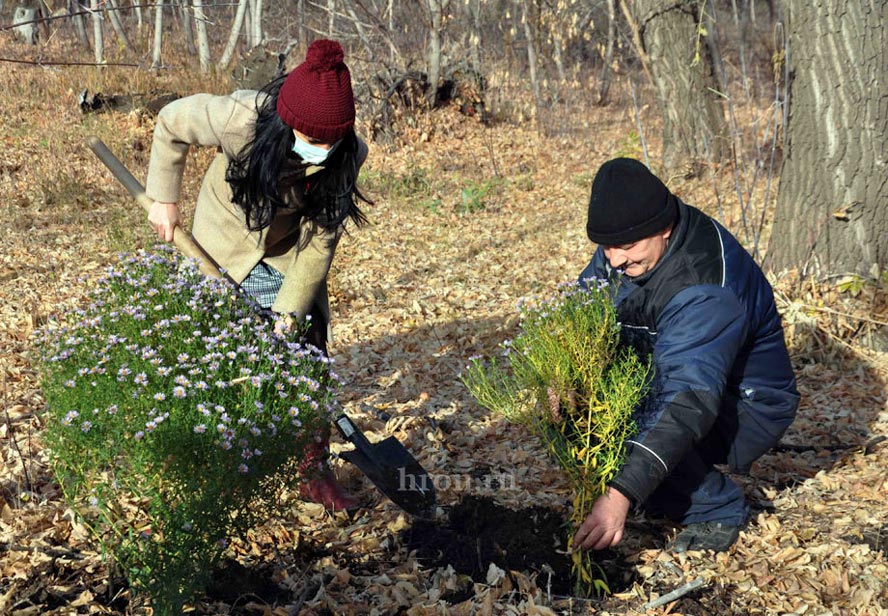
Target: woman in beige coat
(275, 199)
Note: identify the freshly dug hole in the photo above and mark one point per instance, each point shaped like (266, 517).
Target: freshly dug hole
(479, 532)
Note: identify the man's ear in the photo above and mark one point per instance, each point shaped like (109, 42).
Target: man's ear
(667, 232)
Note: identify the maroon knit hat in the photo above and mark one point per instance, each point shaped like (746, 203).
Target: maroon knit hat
(316, 98)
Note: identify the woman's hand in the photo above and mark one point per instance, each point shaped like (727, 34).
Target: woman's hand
(603, 527)
(164, 217)
(283, 325)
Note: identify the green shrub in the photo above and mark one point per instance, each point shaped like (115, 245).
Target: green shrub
(175, 418)
(566, 378)
(473, 197)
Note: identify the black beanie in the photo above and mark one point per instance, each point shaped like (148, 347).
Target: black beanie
(628, 203)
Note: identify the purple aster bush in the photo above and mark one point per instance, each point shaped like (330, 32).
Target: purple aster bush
(176, 419)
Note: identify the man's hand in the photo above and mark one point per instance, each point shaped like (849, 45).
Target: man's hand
(164, 217)
(603, 527)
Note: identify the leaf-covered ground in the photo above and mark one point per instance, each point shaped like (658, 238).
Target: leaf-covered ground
(467, 220)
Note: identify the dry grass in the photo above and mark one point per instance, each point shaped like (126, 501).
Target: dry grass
(415, 293)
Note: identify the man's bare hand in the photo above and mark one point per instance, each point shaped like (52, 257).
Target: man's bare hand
(603, 527)
(164, 217)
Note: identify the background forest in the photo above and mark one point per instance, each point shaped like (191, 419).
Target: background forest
(487, 120)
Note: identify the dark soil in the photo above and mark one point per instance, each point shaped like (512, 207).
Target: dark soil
(232, 583)
(480, 531)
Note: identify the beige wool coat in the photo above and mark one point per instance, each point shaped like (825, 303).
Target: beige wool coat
(301, 252)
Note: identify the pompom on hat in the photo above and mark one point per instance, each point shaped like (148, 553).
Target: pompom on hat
(316, 98)
(628, 203)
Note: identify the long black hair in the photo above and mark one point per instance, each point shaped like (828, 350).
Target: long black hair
(267, 162)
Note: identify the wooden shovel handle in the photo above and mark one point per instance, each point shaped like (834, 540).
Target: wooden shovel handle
(181, 238)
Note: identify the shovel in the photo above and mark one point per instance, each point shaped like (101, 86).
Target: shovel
(388, 464)
(391, 468)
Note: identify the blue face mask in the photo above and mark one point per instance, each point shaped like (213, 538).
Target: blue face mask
(312, 154)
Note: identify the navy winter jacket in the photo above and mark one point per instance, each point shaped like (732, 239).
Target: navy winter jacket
(706, 313)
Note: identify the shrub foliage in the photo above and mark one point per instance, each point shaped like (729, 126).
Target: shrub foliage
(567, 378)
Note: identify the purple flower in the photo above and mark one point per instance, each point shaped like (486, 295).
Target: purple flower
(85, 426)
(160, 396)
(179, 392)
(200, 429)
(243, 468)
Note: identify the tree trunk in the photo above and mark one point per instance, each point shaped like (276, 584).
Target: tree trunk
(832, 205)
(248, 25)
(233, 35)
(694, 129)
(474, 8)
(98, 39)
(203, 43)
(114, 15)
(558, 57)
(158, 33)
(437, 19)
(303, 29)
(530, 36)
(605, 78)
(75, 10)
(185, 9)
(258, 35)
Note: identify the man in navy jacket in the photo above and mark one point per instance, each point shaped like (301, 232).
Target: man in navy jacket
(692, 298)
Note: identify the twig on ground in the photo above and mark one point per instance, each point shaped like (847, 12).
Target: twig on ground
(11, 437)
(678, 593)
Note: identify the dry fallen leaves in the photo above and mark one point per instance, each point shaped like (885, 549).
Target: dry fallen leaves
(414, 295)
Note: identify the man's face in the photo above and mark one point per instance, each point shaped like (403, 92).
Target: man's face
(638, 257)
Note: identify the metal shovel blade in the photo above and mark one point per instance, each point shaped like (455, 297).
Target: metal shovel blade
(391, 468)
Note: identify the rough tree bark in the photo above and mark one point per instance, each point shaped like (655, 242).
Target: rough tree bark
(694, 129)
(474, 9)
(832, 205)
